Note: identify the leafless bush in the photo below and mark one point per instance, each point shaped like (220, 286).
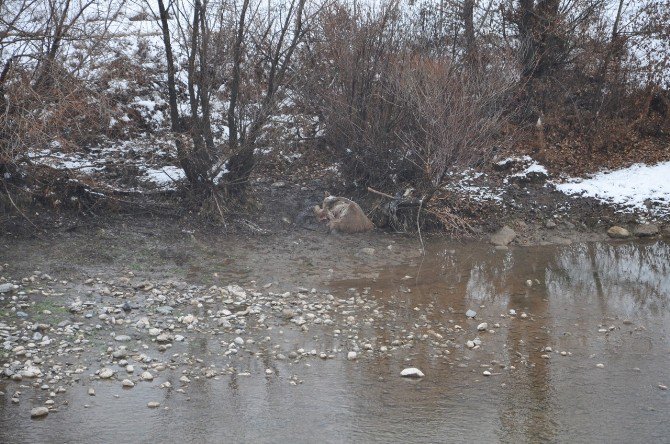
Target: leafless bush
(395, 114)
(455, 113)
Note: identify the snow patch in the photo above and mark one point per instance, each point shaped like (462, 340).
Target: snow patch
(165, 176)
(636, 188)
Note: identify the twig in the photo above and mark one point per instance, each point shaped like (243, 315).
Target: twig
(372, 190)
(9, 196)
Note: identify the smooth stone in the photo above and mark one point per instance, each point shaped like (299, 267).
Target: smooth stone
(39, 412)
(127, 383)
(471, 313)
(153, 404)
(412, 372)
(352, 355)
(122, 338)
(483, 326)
(617, 232)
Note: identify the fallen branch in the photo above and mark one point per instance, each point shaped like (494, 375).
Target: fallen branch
(372, 190)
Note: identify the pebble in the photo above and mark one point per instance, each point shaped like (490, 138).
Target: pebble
(153, 404)
(470, 313)
(106, 373)
(483, 326)
(122, 338)
(486, 373)
(147, 376)
(39, 412)
(600, 365)
(91, 391)
(127, 383)
(352, 355)
(412, 372)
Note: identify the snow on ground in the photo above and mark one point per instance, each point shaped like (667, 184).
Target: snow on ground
(636, 188)
(165, 176)
(472, 184)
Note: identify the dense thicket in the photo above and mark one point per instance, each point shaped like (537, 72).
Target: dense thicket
(397, 93)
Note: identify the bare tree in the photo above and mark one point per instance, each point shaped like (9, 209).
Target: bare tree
(222, 43)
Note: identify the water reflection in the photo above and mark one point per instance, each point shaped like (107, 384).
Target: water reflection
(576, 291)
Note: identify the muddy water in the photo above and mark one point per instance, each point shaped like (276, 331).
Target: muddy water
(603, 304)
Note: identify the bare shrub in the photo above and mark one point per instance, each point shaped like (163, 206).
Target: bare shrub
(455, 113)
(393, 114)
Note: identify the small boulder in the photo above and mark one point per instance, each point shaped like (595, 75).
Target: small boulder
(617, 232)
(39, 412)
(503, 237)
(646, 230)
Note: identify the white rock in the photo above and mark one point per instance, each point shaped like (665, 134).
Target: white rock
(486, 373)
(146, 376)
(352, 355)
(153, 404)
(412, 372)
(128, 383)
(106, 373)
(483, 326)
(600, 365)
(31, 372)
(188, 319)
(470, 344)
(237, 291)
(471, 313)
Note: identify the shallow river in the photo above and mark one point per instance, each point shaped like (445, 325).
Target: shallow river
(602, 303)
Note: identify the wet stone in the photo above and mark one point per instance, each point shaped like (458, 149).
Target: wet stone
(39, 412)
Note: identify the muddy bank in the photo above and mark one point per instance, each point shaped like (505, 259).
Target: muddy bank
(280, 337)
